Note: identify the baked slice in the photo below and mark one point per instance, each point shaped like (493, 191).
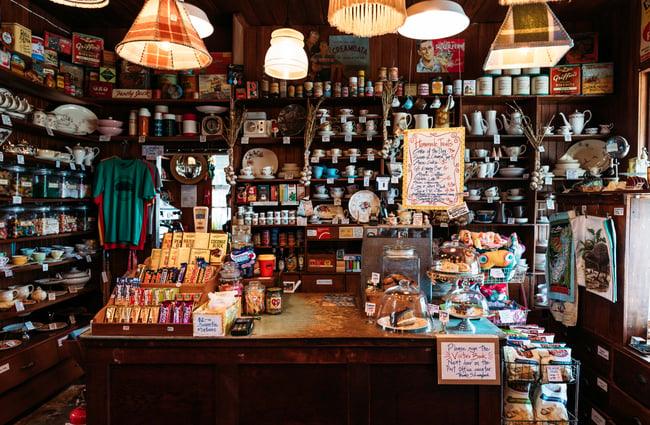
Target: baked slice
(402, 318)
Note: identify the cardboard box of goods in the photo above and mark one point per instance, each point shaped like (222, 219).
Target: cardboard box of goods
(598, 78)
(220, 62)
(51, 58)
(188, 240)
(87, 49)
(215, 322)
(108, 74)
(100, 90)
(565, 79)
(22, 38)
(59, 43)
(321, 263)
(202, 241)
(131, 94)
(109, 58)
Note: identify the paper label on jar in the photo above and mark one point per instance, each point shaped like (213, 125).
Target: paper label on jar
(53, 185)
(4, 182)
(25, 184)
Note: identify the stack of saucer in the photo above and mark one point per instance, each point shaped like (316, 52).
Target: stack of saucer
(567, 163)
(289, 168)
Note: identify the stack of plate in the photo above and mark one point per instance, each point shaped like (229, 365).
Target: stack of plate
(567, 163)
(290, 168)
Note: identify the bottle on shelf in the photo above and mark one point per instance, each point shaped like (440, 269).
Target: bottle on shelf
(281, 262)
(133, 123)
(143, 122)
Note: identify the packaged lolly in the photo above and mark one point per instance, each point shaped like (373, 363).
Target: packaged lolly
(110, 314)
(126, 314)
(117, 317)
(165, 312)
(522, 363)
(177, 312)
(517, 405)
(135, 314)
(144, 315)
(556, 357)
(550, 404)
(187, 311)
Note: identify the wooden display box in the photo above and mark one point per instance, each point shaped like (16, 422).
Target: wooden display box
(321, 263)
(215, 323)
(101, 327)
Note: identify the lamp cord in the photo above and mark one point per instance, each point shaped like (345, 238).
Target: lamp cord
(40, 16)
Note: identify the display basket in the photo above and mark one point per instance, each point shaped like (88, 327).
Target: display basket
(565, 373)
(571, 421)
(512, 274)
(504, 316)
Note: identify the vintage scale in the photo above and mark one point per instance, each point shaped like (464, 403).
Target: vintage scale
(211, 125)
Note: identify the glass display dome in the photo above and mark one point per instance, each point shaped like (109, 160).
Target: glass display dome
(403, 308)
(466, 303)
(454, 258)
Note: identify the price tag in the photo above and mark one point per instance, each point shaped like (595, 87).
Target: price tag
(244, 140)
(49, 131)
(202, 138)
(511, 220)
(541, 148)
(2, 157)
(344, 119)
(286, 140)
(394, 179)
(443, 316)
(315, 159)
(29, 326)
(496, 139)
(458, 211)
(362, 119)
(433, 309)
(104, 277)
(548, 181)
(369, 137)
(337, 201)
(490, 200)
(371, 157)
(350, 179)
(603, 352)
(6, 120)
(142, 139)
(46, 267)
(20, 159)
(387, 123)
(353, 159)
(348, 137)
(444, 224)
(370, 309)
(335, 160)
(513, 159)
(567, 137)
(602, 384)
(325, 139)
(507, 316)
(330, 180)
(366, 181)
(345, 221)
(16, 199)
(73, 167)
(597, 418)
(89, 259)
(19, 306)
(72, 319)
(51, 326)
(497, 273)
(104, 138)
(57, 164)
(618, 211)
(554, 373)
(550, 204)
(51, 296)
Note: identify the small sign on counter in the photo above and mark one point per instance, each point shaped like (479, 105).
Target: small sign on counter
(468, 359)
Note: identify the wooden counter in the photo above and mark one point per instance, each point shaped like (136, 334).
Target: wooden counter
(309, 365)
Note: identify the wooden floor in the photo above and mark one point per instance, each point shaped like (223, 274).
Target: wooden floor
(55, 411)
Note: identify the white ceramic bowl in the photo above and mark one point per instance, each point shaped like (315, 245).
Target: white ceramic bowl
(110, 123)
(47, 153)
(512, 171)
(110, 131)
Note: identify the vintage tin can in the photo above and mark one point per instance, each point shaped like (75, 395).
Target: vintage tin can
(400, 89)
(521, 85)
(458, 88)
(393, 73)
(484, 85)
(345, 91)
(327, 88)
(379, 88)
(503, 85)
(382, 73)
(318, 89)
(309, 88)
(337, 89)
(353, 86)
(299, 90)
(540, 84)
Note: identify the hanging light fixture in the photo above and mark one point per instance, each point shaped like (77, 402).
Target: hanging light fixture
(434, 19)
(367, 18)
(85, 4)
(513, 2)
(162, 37)
(199, 20)
(286, 59)
(530, 36)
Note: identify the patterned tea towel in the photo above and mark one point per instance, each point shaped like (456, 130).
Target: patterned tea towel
(560, 259)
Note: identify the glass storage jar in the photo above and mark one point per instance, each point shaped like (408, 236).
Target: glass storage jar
(4, 225)
(84, 185)
(255, 298)
(68, 185)
(404, 308)
(5, 180)
(466, 303)
(400, 262)
(86, 220)
(43, 186)
(67, 221)
(45, 221)
(21, 181)
(20, 223)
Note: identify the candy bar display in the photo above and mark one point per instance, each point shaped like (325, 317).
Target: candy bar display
(198, 273)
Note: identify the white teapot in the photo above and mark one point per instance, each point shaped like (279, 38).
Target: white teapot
(478, 125)
(79, 153)
(91, 153)
(577, 120)
(516, 124)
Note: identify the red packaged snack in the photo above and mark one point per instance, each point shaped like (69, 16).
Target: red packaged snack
(565, 79)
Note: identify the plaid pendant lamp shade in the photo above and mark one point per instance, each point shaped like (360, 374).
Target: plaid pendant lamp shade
(162, 37)
(84, 4)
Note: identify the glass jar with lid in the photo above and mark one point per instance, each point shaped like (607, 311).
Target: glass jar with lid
(20, 223)
(5, 180)
(21, 181)
(4, 225)
(255, 298)
(67, 221)
(400, 262)
(466, 303)
(85, 186)
(68, 185)
(45, 221)
(43, 186)
(404, 308)
(86, 220)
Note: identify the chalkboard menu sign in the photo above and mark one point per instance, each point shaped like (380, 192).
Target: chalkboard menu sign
(433, 168)
(468, 359)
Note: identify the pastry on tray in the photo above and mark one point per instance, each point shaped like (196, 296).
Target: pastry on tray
(402, 318)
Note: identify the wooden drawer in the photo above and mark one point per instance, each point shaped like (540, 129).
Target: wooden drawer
(632, 376)
(627, 411)
(594, 352)
(27, 363)
(591, 414)
(323, 283)
(595, 386)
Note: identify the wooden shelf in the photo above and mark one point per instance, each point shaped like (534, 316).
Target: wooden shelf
(23, 85)
(38, 130)
(6, 315)
(474, 224)
(45, 200)
(47, 237)
(180, 102)
(62, 165)
(39, 266)
(263, 181)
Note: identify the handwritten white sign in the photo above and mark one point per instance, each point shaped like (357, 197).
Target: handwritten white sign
(433, 168)
(208, 325)
(466, 359)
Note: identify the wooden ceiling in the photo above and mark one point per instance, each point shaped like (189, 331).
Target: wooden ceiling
(121, 13)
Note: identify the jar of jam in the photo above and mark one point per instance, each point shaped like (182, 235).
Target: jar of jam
(274, 300)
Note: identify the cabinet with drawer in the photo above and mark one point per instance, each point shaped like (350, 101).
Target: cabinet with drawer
(632, 375)
(323, 282)
(595, 386)
(590, 413)
(594, 352)
(627, 411)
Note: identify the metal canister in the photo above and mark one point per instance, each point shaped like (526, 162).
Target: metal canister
(190, 85)
(266, 235)
(337, 89)
(353, 86)
(361, 78)
(423, 89)
(484, 85)
(299, 90)
(370, 90)
(540, 84)
(400, 89)
(521, 85)
(309, 88)
(393, 73)
(382, 73)
(503, 85)
(274, 300)
(345, 91)
(291, 90)
(318, 89)
(379, 88)
(327, 88)
(458, 87)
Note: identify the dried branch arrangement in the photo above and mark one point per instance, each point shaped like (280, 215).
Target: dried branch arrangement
(310, 129)
(535, 138)
(389, 147)
(230, 134)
